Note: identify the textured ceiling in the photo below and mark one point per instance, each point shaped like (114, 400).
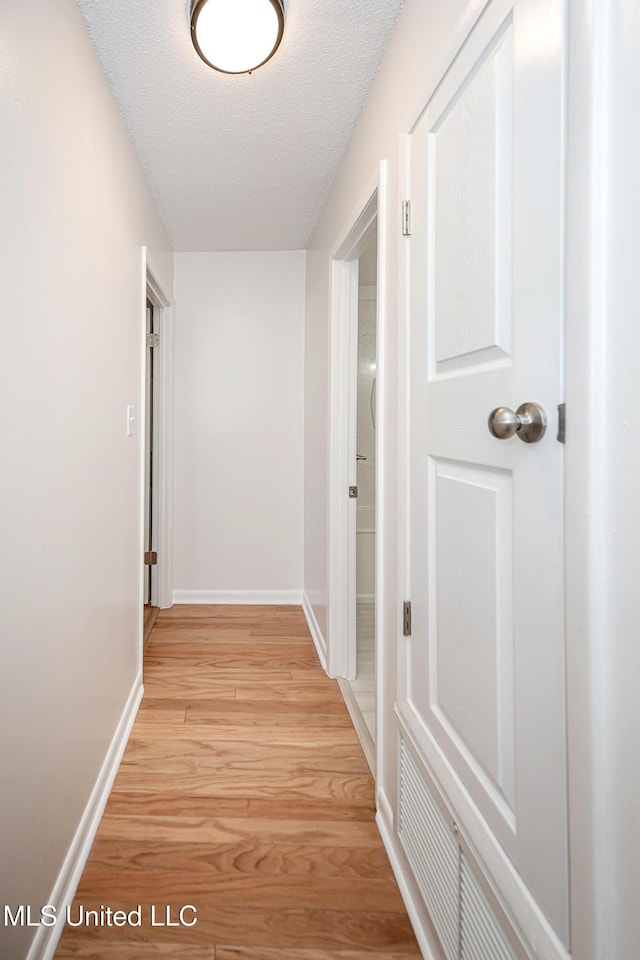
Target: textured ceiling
(240, 162)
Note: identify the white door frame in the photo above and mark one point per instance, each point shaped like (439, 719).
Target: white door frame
(341, 652)
(152, 289)
(603, 518)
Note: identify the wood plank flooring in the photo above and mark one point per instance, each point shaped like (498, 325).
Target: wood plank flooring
(243, 792)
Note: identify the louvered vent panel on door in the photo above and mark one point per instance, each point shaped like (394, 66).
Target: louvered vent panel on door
(432, 850)
(481, 935)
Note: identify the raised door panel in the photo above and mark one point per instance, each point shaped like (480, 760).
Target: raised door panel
(471, 623)
(469, 208)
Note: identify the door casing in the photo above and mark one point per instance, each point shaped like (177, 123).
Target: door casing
(368, 214)
(151, 289)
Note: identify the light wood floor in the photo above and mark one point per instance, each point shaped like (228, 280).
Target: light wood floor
(244, 792)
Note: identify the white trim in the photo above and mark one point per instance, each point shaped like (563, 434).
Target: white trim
(43, 946)
(314, 628)
(360, 224)
(342, 471)
(404, 408)
(601, 468)
(383, 587)
(164, 511)
(265, 597)
(383, 806)
(342, 423)
(361, 728)
(163, 506)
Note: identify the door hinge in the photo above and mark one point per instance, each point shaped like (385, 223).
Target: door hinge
(406, 218)
(562, 422)
(353, 493)
(150, 558)
(406, 618)
(153, 340)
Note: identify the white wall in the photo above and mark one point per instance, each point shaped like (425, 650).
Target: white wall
(75, 212)
(238, 522)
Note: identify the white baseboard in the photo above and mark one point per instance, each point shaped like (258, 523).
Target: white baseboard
(314, 628)
(424, 935)
(266, 597)
(384, 807)
(362, 730)
(46, 939)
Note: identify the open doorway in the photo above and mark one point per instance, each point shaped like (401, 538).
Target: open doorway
(363, 684)
(151, 484)
(156, 451)
(357, 277)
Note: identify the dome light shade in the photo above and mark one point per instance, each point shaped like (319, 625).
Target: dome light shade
(237, 36)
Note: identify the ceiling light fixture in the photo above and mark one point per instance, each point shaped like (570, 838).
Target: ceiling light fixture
(237, 36)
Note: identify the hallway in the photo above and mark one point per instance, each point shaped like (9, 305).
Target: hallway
(244, 793)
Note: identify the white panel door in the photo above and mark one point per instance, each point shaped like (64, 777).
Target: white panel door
(482, 685)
